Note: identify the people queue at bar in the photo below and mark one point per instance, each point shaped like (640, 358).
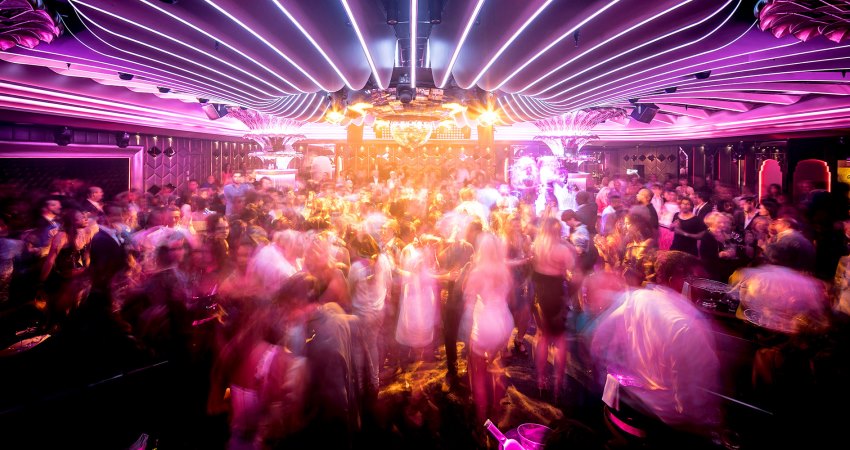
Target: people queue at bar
(317, 296)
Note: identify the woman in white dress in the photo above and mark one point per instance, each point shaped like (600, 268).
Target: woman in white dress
(418, 302)
(486, 294)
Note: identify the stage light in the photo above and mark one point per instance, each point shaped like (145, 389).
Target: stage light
(203, 100)
(702, 75)
(406, 94)
(164, 90)
(392, 12)
(63, 136)
(122, 139)
(435, 9)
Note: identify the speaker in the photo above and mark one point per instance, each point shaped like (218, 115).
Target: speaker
(644, 112)
(63, 136)
(122, 139)
(214, 111)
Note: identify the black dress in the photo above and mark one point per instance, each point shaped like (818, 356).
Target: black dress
(686, 244)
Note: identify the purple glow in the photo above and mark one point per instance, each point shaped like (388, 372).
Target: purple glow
(511, 40)
(22, 25)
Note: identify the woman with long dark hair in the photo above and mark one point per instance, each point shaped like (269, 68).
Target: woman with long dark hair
(64, 272)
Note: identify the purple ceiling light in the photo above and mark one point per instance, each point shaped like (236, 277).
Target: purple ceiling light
(23, 25)
(568, 133)
(805, 19)
(274, 134)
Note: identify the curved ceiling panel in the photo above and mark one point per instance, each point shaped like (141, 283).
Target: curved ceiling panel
(701, 65)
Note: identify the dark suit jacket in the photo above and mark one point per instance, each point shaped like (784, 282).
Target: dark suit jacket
(94, 213)
(792, 250)
(707, 208)
(586, 214)
(739, 222)
(107, 259)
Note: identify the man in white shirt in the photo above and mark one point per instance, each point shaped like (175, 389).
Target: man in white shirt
(609, 215)
(369, 282)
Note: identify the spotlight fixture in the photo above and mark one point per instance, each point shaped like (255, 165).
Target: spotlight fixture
(576, 36)
(125, 76)
(164, 90)
(435, 8)
(406, 94)
(203, 100)
(63, 136)
(671, 89)
(392, 12)
(702, 75)
(170, 2)
(122, 139)
(169, 152)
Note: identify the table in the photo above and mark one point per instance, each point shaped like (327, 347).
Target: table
(24, 345)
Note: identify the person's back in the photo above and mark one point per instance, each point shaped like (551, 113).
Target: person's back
(660, 349)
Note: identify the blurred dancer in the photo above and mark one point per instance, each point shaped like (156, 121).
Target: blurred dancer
(553, 261)
(486, 294)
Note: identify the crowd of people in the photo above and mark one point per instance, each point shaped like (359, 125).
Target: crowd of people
(310, 298)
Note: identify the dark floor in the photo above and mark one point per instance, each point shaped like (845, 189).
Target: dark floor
(64, 394)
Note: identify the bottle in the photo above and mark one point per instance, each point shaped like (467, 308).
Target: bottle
(504, 442)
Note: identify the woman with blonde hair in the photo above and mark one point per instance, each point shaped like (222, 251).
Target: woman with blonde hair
(486, 296)
(553, 261)
(718, 250)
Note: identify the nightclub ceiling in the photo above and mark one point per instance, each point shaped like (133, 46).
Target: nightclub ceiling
(683, 69)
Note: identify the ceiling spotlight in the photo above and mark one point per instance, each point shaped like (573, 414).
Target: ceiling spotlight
(169, 152)
(576, 35)
(63, 136)
(203, 100)
(702, 75)
(435, 8)
(122, 139)
(406, 94)
(170, 2)
(670, 90)
(164, 90)
(125, 76)
(392, 12)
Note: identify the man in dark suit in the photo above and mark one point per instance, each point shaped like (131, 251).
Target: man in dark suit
(108, 249)
(702, 203)
(586, 212)
(743, 218)
(644, 198)
(791, 248)
(92, 204)
(47, 223)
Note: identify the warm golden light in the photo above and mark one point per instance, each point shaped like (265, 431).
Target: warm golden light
(454, 108)
(488, 118)
(360, 107)
(411, 133)
(334, 117)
